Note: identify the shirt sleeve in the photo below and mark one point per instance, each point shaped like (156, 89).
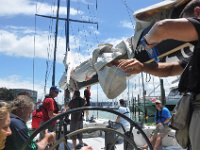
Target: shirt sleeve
(166, 113)
(48, 104)
(196, 24)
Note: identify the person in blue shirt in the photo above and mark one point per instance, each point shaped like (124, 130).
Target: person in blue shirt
(162, 119)
(162, 114)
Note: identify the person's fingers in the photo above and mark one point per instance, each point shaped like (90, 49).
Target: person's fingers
(129, 66)
(125, 62)
(121, 64)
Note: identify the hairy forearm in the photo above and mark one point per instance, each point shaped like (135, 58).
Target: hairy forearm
(163, 69)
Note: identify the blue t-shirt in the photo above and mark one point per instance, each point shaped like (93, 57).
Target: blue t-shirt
(161, 116)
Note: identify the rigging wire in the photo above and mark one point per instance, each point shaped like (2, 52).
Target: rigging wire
(89, 31)
(84, 31)
(95, 18)
(96, 4)
(34, 48)
(39, 6)
(49, 48)
(129, 11)
(75, 42)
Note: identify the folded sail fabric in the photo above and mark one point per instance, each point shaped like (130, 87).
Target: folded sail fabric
(111, 79)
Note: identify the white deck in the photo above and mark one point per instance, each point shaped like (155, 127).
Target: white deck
(98, 143)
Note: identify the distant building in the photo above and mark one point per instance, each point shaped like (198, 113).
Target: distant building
(32, 93)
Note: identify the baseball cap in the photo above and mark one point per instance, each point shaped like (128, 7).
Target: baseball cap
(158, 102)
(54, 88)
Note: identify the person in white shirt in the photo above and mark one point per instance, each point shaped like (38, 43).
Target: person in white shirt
(123, 109)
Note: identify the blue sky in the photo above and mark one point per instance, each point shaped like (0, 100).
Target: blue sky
(17, 30)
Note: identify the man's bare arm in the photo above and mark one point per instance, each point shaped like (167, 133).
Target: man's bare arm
(51, 114)
(48, 138)
(176, 29)
(133, 66)
(163, 69)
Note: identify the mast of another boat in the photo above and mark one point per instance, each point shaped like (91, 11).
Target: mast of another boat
(144, 97)
(162, 92)
(67, 21)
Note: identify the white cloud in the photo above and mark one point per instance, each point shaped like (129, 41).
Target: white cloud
(13, 44)
(28, 7)
(126, 24)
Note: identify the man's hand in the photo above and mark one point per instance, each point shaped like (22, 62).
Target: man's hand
(159, 124)
(48, 139)
(131, 66)
(50, 136)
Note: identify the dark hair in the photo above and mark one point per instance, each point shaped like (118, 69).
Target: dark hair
(77, 93)
(122, 102)
(189, 8)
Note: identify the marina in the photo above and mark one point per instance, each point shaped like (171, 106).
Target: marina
(146, 110)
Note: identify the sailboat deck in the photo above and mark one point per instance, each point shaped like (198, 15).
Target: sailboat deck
(98, 143)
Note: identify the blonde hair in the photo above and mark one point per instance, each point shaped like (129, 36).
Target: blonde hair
(4, 110)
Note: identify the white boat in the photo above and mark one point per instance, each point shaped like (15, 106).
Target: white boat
(96, 139)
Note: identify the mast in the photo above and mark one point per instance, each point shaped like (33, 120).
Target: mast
(144, 96)
(55, 46)
(67, 92)
(67, 27)
(162, 97)
(67, 21)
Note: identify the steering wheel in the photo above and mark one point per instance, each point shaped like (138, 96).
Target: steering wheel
(128, 136)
